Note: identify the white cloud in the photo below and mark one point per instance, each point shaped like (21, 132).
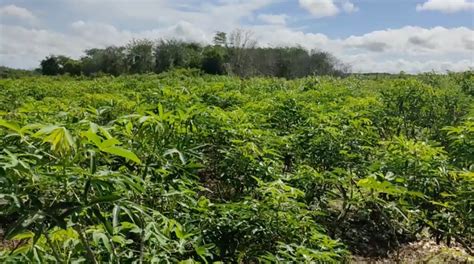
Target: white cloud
(446, 6)
(368, 64)
(276, 35)
(410, 49)
(17, 12)
(320, 8)
(110, 35)
(189, 20)
(349, 7)
(413, 41)
(23, 47)
(327, 8)
(273, 19)
(221, 15)
(469, 42)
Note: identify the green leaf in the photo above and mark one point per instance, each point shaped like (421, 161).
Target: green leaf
(59, 137)
(105, 199)
(104, 221)
(115, 216)
(26, 234)
(381, 186)
(97, 237)
(179, 231)
(118, 151)
(170, 152)
(109, 143)
(92, 137)
(9, 125)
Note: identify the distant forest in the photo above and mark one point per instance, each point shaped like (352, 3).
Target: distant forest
(235, 54)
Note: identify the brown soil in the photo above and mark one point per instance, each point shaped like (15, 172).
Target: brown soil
(425, 251)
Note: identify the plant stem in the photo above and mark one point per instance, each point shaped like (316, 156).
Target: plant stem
(51, 245)
(89, 253)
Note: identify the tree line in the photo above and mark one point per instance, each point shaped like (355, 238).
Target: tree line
(236, 54)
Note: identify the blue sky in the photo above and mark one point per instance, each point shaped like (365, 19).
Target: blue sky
(371, 15)
(370, 35)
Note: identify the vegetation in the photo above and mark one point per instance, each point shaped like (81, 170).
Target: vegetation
(6, 72)
(237, 55)
(184, 167)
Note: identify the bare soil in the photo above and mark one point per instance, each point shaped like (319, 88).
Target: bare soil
(424, 251)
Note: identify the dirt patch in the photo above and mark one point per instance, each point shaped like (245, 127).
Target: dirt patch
(425, 251)
(6, 244)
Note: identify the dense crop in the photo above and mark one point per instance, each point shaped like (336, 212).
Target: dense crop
(183, 167)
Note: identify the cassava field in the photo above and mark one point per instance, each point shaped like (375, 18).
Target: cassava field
(191, 168)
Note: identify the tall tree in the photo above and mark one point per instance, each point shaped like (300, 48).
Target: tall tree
(140, 56)
(50, 66)
(213, 60)
(171, 54)
(220, 39)
(241, 43)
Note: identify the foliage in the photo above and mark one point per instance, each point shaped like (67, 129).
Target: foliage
(6, 72)
(56, 65)
(186, 167)
(237, 55)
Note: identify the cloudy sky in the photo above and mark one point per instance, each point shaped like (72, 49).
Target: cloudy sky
(370, 35)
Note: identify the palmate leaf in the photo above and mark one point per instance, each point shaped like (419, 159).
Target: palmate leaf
(59, 137)
(109, 145)
(306, 157)
(11, 158)
(382, 187)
